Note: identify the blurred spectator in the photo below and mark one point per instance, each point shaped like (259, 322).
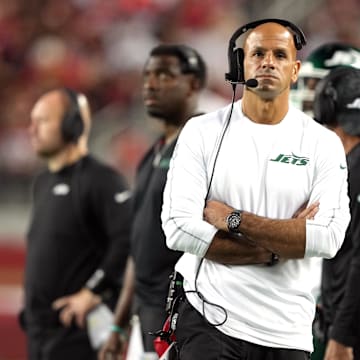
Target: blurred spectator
(98, 47)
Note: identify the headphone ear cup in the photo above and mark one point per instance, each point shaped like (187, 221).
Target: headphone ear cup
(236, 66)
(232, 74)
(72, 125)
(325, 103)
(239, 54)
(329, 104)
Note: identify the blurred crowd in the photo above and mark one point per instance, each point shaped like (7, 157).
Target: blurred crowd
(99, 46)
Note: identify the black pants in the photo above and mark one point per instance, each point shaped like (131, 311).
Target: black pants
(198, 340)
(59, 344)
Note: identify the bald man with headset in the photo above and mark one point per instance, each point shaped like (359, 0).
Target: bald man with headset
(254, 191)
(77, 242)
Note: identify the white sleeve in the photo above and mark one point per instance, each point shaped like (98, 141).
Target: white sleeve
(184, 195)
(325, 234)
(187, 183)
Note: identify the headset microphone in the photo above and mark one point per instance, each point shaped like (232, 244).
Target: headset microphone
(251, 83)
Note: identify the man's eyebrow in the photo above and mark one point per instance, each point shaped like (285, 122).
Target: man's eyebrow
(262, 48)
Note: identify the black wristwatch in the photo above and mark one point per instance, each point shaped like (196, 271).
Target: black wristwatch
(233, 221)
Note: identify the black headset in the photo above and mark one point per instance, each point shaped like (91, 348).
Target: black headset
(236, 55)
(191, 64)
(72, 125)
(328, 105)
(325, 101)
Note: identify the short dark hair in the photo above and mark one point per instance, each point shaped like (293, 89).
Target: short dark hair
(190, 60)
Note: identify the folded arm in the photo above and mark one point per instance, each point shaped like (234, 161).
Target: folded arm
(260, 236)
(236, 250)
(288, 235)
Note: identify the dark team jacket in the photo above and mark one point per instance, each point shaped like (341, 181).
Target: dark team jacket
(79, 230)
(341, 275)
(154, 261)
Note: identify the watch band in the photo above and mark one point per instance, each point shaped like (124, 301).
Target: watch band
(274, 259)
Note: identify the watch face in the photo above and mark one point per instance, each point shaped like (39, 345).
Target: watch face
(233, 221)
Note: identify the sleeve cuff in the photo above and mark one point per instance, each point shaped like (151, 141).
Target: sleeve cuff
(97, 282)
(342, 337)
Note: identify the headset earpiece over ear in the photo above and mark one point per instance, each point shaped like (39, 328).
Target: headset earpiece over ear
(72, 125)
(236, 54)
(325, 105)
(329, 98)
(235, 74)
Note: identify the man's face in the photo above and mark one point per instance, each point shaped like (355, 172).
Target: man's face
(165, 88)
(270, 57)
(45, 127)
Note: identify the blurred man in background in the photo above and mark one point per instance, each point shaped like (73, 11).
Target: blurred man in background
(317, 65)
(337, 106)
(174, 76)
(78, 238)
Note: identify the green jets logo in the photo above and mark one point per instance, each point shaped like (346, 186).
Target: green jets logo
(291, 159)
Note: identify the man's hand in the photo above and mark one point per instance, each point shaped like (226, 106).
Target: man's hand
(337, 351)
(216, 212)
(76, 306)
(113, 349)
(307, 212)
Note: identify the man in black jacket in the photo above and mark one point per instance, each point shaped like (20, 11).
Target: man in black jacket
(337, 106)
(78, 237)
(174, 76)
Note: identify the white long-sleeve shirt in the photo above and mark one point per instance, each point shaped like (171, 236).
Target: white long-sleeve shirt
(268, 170)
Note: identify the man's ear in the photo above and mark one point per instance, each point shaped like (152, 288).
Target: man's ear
(195, 83)
(295, 71)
